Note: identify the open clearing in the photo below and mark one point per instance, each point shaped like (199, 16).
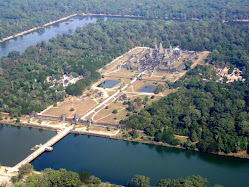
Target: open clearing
(105, 115)
(80, 107)
(96, 95)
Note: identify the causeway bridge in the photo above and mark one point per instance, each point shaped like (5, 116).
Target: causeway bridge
(42, 149)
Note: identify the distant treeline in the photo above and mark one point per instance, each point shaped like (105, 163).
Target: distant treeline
(20, 15)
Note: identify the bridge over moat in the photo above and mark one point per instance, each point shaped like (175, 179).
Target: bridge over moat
(42, 149)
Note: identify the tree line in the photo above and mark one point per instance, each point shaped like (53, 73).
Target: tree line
(62, 177)
(20, 15)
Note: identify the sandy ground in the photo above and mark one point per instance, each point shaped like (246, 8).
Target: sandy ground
(81, 128)
(80, 106)
(106, 115)
(5, 177)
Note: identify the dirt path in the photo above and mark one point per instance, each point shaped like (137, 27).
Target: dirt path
(108, 115)
(5, 177)
(101, 110)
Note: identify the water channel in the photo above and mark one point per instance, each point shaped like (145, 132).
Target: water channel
(20, 44)
(117, 161)
(111, 160)
(16, 142)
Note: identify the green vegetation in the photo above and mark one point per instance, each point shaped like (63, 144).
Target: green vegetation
(193, 181)
(62, 177)
(141, 180)
(212, 113)
(25, 170)
(115, 111)
(20, 15)
(188, 65)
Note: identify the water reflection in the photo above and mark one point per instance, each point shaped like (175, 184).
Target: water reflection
(16, 142)
(117, 161)
(21, 43)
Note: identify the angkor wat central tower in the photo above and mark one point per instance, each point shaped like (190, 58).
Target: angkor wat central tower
(158, 59)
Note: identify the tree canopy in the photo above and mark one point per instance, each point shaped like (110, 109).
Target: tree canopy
(21, 15)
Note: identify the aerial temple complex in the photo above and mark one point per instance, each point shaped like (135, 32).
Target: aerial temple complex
(159, 59)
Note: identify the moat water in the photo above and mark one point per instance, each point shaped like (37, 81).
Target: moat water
(20, 44)
(16, 142)
(117, 161)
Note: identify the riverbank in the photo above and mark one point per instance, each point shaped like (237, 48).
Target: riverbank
(237, 20)
(118, 136)
(36, 28)
(90, 14)
(241, 154)
(80, 130)
(5, 177)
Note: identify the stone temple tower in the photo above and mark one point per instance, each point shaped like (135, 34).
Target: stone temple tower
(155, 46)
(170, 50)
(161, 51)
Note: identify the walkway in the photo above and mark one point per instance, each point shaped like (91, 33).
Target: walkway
(109, 98)
(39, 151)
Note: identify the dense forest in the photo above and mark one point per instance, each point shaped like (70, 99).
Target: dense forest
(62, 177)
(24, 86)
(21, 15)
(213, 114)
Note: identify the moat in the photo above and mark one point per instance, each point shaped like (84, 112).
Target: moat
(21, 43)
(117, 161)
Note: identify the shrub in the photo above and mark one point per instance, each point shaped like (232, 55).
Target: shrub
(25, 169)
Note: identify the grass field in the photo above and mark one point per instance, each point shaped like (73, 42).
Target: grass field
(80, 107)
(106, 116)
